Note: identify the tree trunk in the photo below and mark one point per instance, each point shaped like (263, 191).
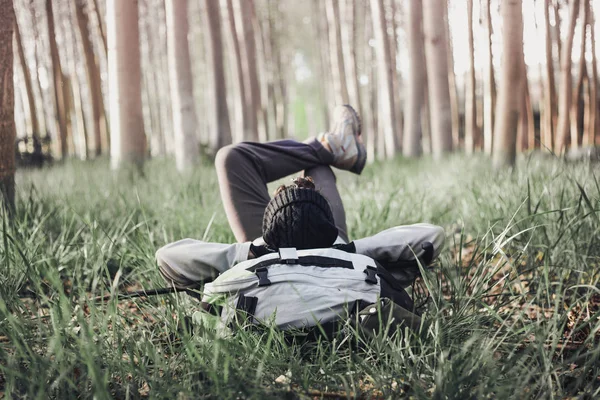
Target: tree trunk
(489, 83)
(128, 141)
(393, 40)
(511, 91)
(576, 110)
(7, 106)
(100, 25)
(181, 85)
(370, 116)
(471, 128)
(335, 49)
(93, 76)
(322, 32)
(348, 32)
(415, 82)
(60, 89)
(436, 52)
(385, 78)
(221, 133)
(246, 35)
(590, 134)
(453, 87)
(550, 92)
(241, 112)
(35, 126)
(566, 87)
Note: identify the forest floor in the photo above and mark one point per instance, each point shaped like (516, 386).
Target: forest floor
(512, 306)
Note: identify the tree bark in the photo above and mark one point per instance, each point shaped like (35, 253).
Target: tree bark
(566, 88)
(241, 124)
(415, 83)
(511, 91)
(348, 32)
(35, 125)
(453, 87)
(7, 106)
(489, 83)
(94, 79)
(335, 49)
(576, 110)
(436, 52)
(60, 89)
(471, 128)
(550, 92)
(100, 25)
(590, 134)
(246, 35)
(385, 78)
(221, 133)
(128, 141)
(181, 85)
(370, 116)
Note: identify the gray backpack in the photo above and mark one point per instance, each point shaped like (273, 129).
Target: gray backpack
(294, 288)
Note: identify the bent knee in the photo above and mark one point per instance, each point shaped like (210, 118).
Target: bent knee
(228, 156)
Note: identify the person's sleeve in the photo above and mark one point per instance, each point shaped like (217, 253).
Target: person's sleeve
(188, 261)
(402, 243)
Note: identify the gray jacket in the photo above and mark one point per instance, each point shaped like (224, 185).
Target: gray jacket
(188, 261)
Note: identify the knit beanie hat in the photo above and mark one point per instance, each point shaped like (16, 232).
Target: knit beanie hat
(300, 218)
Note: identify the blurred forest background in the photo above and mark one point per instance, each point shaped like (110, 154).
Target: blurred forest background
(468, 107)
(137, 79)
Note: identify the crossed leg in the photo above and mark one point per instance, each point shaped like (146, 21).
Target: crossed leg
(244, 169)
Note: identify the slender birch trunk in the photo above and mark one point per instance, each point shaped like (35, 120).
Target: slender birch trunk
(246, 35)
(241, 112)
(511, 90)
(471, 128)
(436, 53)
(550, 92)
(335, 49)
(35, 125)
(385, 78)
(7, 106)
(566, 89)
(93, 76)
(576, 110)
(60, 89)
(593, 84)
(415, 82)
(128, 141)
(348, 35)
(181, 85)
(489, 83)
(221, 133)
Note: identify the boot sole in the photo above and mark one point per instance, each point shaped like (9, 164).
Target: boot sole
(361, 159)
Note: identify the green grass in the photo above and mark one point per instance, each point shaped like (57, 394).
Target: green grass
(512, 307)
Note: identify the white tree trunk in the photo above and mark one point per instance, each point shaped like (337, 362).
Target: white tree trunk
(436, 52)
(471, 128)
(566, 88)
(181, 84)
(128, 141)
(219, 113)
(511, 90)
(415, 82)
(385, 78)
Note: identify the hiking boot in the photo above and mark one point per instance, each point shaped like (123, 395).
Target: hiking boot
(344, 140)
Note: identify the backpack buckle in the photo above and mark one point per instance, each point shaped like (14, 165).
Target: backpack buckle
(371, 275)
(288, 255)
(263, 276)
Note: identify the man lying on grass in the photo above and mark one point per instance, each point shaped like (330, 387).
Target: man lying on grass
(302, 270)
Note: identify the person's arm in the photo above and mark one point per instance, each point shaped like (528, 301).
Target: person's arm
(187, 262)
(402, 243)
(400, 250)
